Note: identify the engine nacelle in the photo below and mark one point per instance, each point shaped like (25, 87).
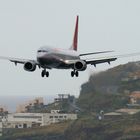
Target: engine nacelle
(80, 65)
(30, 66)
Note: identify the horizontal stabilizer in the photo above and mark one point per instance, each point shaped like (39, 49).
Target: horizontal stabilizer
(94, 53)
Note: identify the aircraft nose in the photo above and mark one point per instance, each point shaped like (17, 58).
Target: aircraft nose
(40, 54)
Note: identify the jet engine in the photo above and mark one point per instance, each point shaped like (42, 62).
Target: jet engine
(80, 65)
(30, 66)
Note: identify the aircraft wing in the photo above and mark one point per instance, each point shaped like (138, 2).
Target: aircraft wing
(98, 61)
(95, 61)
(18, 60)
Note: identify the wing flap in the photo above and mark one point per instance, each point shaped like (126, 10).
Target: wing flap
(99, 61)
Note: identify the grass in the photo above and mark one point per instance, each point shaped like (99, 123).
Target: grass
(51, 130)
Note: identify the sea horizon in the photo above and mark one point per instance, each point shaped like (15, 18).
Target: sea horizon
(11, 102)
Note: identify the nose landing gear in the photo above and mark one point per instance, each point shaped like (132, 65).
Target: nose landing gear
(44, 73)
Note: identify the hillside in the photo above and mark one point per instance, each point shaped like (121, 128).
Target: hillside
(85, 128)
(109, 89)
(51, 132)
(111, 128)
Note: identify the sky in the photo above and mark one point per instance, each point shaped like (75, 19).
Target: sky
(29, 24)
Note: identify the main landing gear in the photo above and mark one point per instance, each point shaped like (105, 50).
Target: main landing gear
(44, 73)
(76, 73)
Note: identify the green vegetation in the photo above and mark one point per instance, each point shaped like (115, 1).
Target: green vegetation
(94, 102)
(41, 133)
(107, 90)
(87, 127)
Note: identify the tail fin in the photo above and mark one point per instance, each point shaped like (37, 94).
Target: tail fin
(75, 37)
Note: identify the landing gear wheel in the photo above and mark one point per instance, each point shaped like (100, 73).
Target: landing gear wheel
(77, 73)
(47, 74)
(43, 73)
(72, 73)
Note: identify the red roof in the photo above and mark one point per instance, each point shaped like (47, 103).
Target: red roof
(135, 94)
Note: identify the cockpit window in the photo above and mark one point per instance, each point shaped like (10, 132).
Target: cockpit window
(42, 51)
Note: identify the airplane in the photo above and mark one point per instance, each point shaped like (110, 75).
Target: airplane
(49, 58)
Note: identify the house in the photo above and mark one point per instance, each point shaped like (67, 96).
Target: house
(30, 105)
(28, 120)
(135, 98)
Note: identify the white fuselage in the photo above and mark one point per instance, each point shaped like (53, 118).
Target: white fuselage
(49, 57)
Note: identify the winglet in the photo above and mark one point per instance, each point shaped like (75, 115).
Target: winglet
(75, 37)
